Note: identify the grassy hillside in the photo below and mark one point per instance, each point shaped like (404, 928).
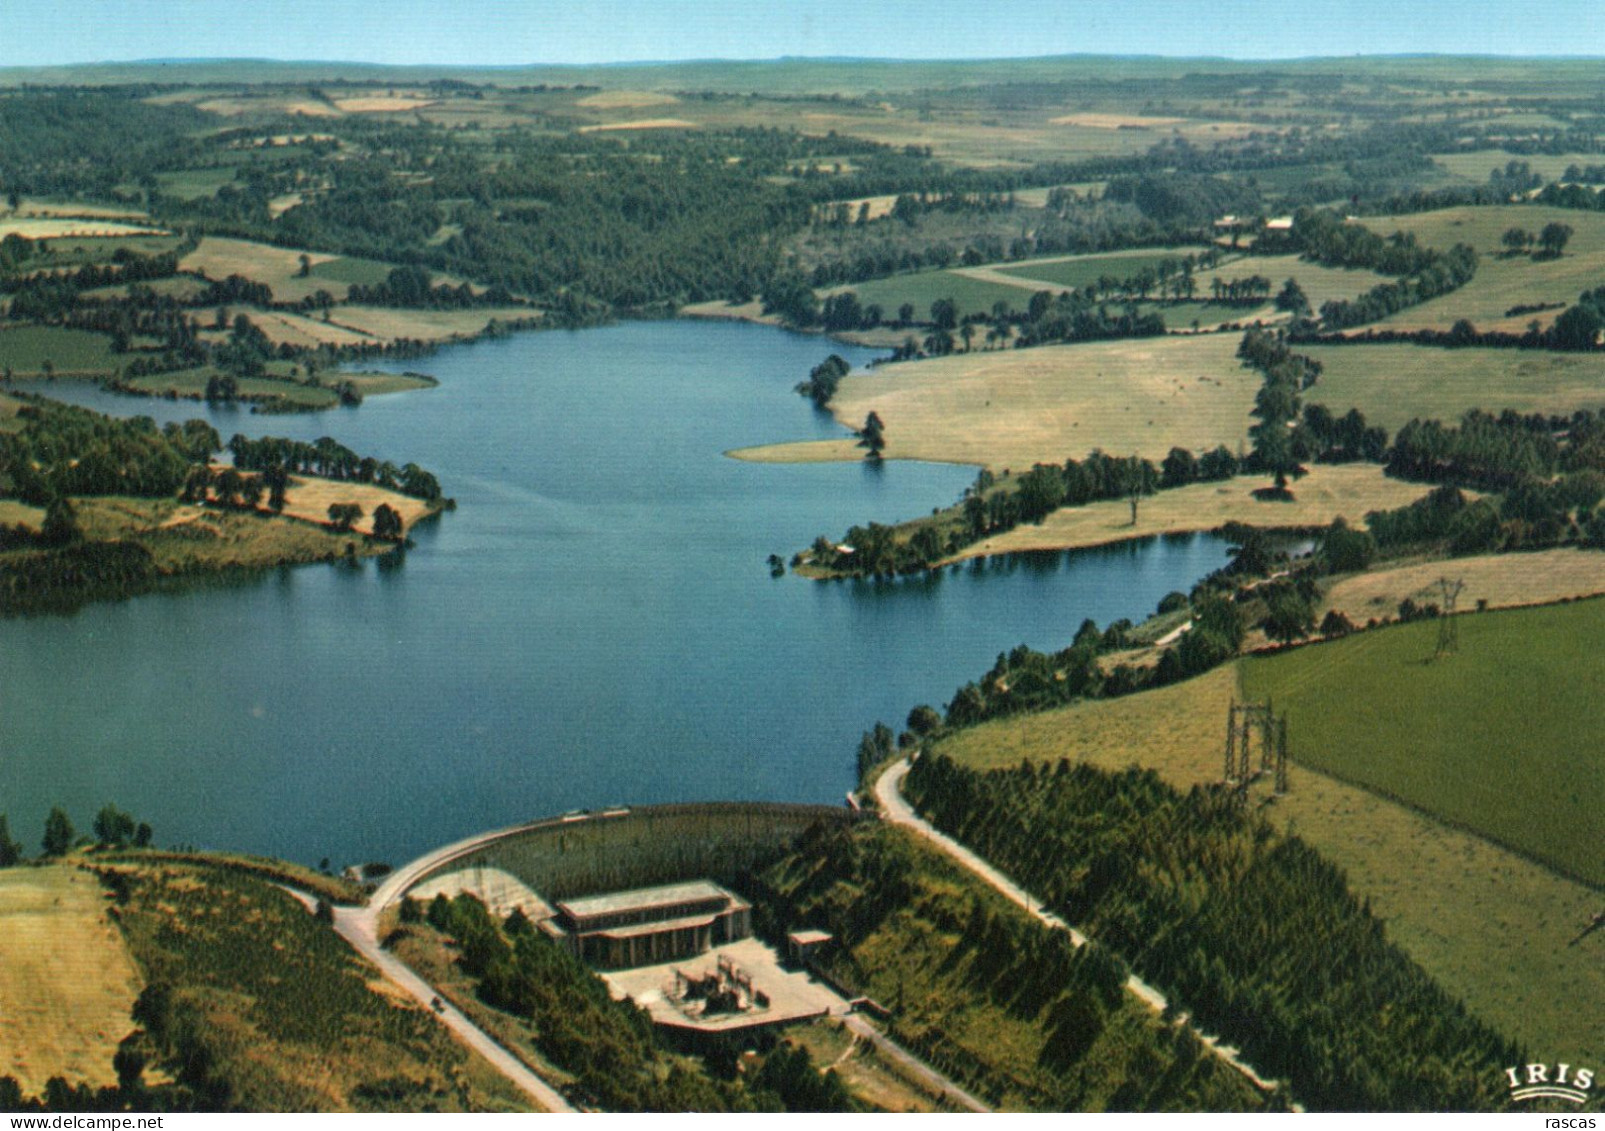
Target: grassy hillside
(1501, 738)
(1490, 925)
(1501, 283)
(1327, 491)
(271, 1011)
(1501, 580)
(1013, 408)
(66, 981)
(1392, 384)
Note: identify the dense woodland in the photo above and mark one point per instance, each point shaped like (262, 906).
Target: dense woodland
(1251, 932)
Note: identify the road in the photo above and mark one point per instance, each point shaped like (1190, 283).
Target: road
(912, 1064)
(359, 926)
(897, 810)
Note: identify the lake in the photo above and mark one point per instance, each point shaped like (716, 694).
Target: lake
(594, 625)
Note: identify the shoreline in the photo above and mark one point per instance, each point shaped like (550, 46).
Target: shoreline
(1327, 492)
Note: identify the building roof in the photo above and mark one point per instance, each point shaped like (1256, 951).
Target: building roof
(657, 927)
(643, 899)
(810, 937)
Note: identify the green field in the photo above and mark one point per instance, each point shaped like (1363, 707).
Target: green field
(1391, 384)
(25, 349)
(1463, 907)
(350, 269)
(1475, 167)
(1501, 283)
(971, 296)
(1078, 271)
(1319, 283)
(192, 383)
(1502, 738)
(191, 184)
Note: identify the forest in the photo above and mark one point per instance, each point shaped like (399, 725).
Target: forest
(1250, 931)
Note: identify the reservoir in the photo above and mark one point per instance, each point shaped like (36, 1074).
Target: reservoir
(594, 625)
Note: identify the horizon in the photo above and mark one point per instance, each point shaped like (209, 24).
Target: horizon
(510, 34)
(880, 60)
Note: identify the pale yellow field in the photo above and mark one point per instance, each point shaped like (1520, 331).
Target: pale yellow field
(426, 325)
(310, 499)
(279, 205)
(626, 99)
(1329, 490)
(879, 206)
(380, 104)
(234, 107)
(642, 124)
(808, 451)
(1014, 408)
(1499, 579)
(13, 513)
(1320, 284)
(301, 330)
(31, 206)
(1114, 121)
(217, 258)
(1479, 918)
(30, 228)
(66, 982)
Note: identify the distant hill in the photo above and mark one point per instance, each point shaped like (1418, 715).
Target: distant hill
(794, 75)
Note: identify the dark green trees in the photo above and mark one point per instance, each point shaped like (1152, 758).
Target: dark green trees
(824, 379)
(1552, 240)
(387, 522)
(1345, 550)
(10, 850)
(873, 437)
(114, 828)
(343, 515)
(59, 833)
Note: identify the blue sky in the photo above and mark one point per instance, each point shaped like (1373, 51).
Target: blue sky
(500, 32)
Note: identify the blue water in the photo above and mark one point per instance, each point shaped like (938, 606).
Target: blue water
(594, 625)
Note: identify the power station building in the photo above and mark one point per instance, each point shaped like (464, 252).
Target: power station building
(650, 925)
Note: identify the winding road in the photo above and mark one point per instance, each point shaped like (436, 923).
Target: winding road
(896, 809)
(359, 927)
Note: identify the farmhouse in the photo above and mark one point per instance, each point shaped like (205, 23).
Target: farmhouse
(650, 925)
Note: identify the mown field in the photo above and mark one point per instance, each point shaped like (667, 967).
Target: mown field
(1066, 272)
(1013, 408)
(280, 268)
(1501, 283)
(922, 288)
(1475, 167)
(1501, 580)
(427, 325)
(1319, 283)
(1501, 738)
(66, 982)
(24, 350)
(1329, 490)
(1491, 925)
(1395, 383)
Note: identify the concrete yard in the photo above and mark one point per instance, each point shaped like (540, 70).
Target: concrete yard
(792, 995)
